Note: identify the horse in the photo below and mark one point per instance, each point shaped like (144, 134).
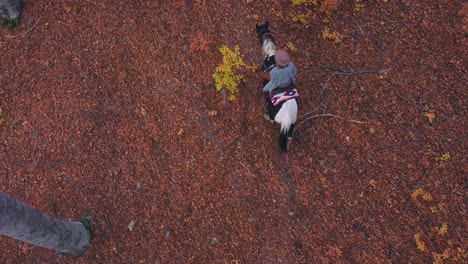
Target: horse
(282, 102)
(268, 47)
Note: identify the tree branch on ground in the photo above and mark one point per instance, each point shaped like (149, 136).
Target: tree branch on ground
(339, 71)
(22, 34)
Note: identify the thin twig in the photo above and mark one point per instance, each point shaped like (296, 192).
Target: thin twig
(338, 71)
(324, 86)
(395, 150)
(330, 115)
(246, 168)
(359, 26)
(22, 34)
(394, 49)
(142, 192)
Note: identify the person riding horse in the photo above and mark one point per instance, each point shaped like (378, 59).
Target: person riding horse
(281, 78)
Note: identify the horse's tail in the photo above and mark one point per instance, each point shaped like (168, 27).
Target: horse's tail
(283, 139)
(287, 117)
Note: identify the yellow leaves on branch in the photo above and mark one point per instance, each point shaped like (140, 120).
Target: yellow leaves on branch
(326, 6)
(334, 36)
(304, 2)
(421, 245)
(421, 192)
(2, 118)
(227, 74)
(358, 6)
(299, 18)
(430, 115)
(439, 258)
(442, 230)
(445, 156)
(457, 256)
(291, 47)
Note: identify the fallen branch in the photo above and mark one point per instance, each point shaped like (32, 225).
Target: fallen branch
(329, 115)
(245, 167)
(22, 34)
(338, 71)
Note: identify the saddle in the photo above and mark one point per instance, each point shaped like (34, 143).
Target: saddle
(281, 95)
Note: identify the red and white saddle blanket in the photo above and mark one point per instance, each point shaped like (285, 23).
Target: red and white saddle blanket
(280, 98)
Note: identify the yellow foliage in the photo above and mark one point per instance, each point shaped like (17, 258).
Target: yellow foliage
(461, 254)
(358, 6)
(253, 17)
(252, 68)
(457, 255)
(445, 156)
(446, 253)
(443, 229)
(324, 5)
(421, 245)
(439, 258)
(291, 47)
(304, 2)
(299, 18)
(2, 118)
(226, 75)
(421, 192)
(430, 116)
(334, 36)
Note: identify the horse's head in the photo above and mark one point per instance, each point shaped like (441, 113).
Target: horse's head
(268, 45)
(262, 30)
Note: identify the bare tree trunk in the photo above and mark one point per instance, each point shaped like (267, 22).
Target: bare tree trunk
(22, 222)
(10, 9)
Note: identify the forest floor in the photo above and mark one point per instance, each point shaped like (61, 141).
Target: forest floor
(109, 109)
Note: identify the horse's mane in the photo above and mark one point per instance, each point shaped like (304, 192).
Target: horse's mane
(268, 47)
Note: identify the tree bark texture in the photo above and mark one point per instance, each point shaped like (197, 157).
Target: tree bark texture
(22, 222)
(10, 9)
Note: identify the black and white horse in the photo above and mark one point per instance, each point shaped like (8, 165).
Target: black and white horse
(284, 110)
